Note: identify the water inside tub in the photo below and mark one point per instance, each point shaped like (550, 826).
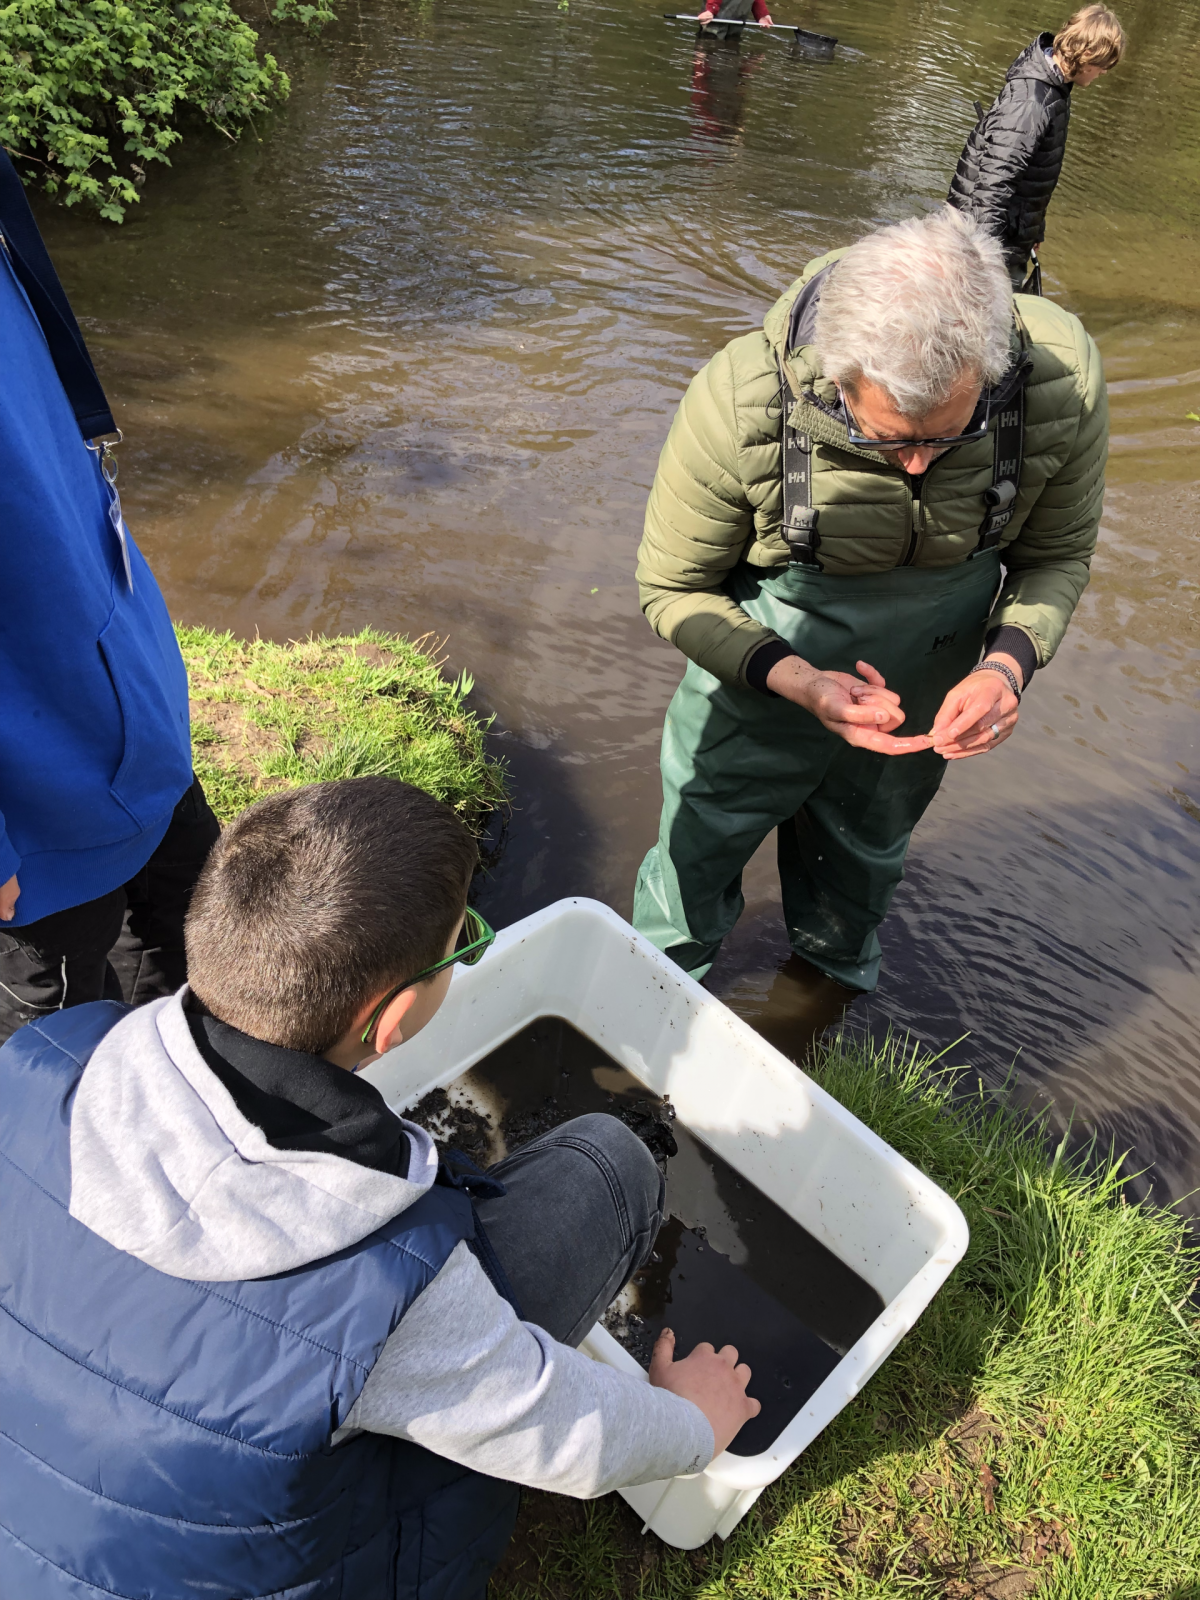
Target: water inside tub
(729, 1265)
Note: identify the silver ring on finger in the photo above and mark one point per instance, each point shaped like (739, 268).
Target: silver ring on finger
(995, 730)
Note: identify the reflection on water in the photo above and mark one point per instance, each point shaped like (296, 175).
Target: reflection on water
(721, 74)
(409, 358)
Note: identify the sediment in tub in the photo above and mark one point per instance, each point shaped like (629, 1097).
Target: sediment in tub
(729, 1265)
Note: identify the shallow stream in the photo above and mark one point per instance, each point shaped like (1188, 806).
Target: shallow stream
(407, 358)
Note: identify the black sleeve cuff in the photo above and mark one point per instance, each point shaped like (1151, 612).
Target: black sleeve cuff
(1014, 642)
(764, 658)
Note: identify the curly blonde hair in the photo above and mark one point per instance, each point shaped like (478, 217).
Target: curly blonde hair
(1092, 38)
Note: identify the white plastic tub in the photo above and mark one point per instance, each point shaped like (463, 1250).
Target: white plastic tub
(578, 960)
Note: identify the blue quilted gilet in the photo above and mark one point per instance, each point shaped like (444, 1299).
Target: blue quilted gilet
(162, 1439)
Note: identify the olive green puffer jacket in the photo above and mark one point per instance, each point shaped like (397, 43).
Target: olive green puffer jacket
(716, 499)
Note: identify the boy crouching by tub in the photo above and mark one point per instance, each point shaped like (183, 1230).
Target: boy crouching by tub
(255, 1343)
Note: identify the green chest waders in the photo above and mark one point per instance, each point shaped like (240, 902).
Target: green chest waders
(735, 10)
(737, 763)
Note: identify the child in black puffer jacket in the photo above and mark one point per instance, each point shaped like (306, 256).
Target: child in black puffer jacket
(1013, 155)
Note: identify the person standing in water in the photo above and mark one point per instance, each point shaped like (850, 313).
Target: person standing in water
(871, 523)
(1010, 164)
(711, 18)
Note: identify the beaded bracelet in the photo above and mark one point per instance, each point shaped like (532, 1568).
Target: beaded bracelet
(998, 666)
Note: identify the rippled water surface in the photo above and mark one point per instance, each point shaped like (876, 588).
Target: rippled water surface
(408, 358)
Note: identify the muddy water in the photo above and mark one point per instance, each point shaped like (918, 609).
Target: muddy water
(729, 1266)
(408, 359)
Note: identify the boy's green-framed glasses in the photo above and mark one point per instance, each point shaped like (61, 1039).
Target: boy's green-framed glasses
(478, 936)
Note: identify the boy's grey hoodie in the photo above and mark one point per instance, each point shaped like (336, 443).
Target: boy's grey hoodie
(165, 1166)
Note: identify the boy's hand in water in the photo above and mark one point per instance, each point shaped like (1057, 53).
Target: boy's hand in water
(862, 710)
(710, 1379)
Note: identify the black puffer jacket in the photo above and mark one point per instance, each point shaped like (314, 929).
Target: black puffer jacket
(1014, 154)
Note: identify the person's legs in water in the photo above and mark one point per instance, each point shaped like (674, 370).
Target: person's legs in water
(799, 1003)
(841, 857)
(127, 944)
(582, 1210)
(735, 765)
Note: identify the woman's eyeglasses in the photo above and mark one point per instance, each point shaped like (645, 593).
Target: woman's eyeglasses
(862, 441)
(478, 937)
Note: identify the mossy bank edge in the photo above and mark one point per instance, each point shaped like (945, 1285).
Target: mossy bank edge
(272, 716)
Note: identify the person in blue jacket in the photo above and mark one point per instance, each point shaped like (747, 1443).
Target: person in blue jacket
(103, 829)
(258, 1337)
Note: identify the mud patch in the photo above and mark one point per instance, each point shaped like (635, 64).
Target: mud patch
(562, 1549)
(453, 1125)
(650, 1119)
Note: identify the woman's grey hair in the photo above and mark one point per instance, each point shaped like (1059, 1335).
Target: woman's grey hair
(916, 306)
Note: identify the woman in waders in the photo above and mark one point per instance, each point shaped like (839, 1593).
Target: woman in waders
(727, 11)
(870, 525)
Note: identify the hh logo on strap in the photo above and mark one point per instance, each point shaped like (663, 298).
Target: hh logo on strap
(942, 642)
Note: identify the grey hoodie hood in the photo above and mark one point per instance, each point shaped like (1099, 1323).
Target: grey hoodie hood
(165, 1167)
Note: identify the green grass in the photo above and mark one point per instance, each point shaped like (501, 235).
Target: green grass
(271, 716)
(1038, 1432)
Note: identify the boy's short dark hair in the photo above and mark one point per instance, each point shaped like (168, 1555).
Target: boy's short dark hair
(315, 900)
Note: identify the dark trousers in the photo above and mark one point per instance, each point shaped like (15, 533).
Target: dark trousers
(583, 1207)
(126, 945)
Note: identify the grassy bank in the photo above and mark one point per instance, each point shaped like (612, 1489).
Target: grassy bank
(270, 716)
(1036, 1433)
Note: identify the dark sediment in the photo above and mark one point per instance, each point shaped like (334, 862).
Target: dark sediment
(462, 1127)
(729, 1265)
(454, 1127)
(650, 1119)
(632, 1331)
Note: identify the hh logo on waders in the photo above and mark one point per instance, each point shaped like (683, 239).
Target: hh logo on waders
(942, 642)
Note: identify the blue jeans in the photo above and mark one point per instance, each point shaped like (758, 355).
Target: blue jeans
(583, 1207)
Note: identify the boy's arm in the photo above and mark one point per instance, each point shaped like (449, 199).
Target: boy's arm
(463, 1377)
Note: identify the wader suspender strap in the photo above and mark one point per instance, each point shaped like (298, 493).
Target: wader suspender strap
(799, 518)
(1006, 472)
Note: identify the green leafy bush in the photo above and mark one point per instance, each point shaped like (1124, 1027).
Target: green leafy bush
(310, 16)
(92, 91)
